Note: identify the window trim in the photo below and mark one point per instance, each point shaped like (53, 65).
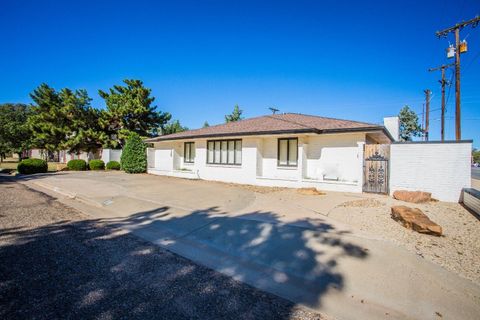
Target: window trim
(191, 144)
(288, 165)
(209, 161)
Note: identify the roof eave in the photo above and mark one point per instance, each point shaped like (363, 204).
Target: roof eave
(232, 134)
(361, 129)
(272, 132)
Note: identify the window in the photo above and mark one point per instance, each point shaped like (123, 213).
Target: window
(287, 152)
(224, 152)
(189, 152)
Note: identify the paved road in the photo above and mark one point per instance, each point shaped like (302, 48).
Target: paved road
(57, 264)
(476, 173)
(274, 245)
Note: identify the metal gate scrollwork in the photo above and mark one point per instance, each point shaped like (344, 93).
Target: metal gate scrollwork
(376, 171)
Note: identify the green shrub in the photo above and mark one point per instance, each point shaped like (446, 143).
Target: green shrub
(29, 166)
(134, 156)
(96, 165)
(77, 165)
(113, 165)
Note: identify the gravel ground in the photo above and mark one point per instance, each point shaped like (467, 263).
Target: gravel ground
(55, 263)
(458, 250)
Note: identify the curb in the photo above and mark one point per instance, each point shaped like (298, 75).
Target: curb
(70, 195)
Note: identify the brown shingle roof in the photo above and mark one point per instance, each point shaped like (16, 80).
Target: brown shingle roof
(273, 124)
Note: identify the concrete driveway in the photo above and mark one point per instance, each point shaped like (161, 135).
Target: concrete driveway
(274, 241)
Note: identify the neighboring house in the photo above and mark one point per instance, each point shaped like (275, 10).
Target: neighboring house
(62, 156)
(286, 150)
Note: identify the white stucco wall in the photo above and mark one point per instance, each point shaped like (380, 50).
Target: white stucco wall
(334, 156)
(259, 162)
(164, 156)
(37, 154)
(392, 124)
(111, 155)
(244, 173)
(270, 169)
(440, 168)
(64, 156)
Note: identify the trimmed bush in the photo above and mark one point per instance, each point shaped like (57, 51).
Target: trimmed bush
(77, 165)
(134, 155)
(29, 166)
(96, 165)
(113, 165)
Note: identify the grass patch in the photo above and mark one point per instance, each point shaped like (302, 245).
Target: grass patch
(10, 165)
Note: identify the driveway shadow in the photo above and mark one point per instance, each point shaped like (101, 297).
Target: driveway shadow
(301, 255)
(92, 269)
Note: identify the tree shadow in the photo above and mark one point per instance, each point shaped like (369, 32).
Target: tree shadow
(5, 179)
(302, 256)
(92, 269)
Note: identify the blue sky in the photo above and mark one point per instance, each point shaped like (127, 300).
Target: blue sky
(359, 61)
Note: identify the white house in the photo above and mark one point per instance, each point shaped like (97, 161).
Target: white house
(62, 156)
(286, 150)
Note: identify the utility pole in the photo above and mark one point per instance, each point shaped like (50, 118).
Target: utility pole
(443, 82)
(456, 29)
(427, 112)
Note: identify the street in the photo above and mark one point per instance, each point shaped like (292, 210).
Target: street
(476, 173)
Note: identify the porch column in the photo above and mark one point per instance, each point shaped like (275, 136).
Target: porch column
(302, 159)
(361, 151)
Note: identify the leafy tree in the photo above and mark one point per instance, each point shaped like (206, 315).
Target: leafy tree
(134, 156)
(173, 127)
(205, 125)
(129, 109)
(476, 155)
(235, 115)
(15, 134)
(409, 126)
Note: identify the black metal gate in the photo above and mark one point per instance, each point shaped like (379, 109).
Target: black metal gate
(375, 171)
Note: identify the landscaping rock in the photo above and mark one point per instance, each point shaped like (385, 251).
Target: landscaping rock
(415, 219)
(412, 196)
(310, 192)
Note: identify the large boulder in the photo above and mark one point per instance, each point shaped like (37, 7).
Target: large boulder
(415, 219)
(412, 196)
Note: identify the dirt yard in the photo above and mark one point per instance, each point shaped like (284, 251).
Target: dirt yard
(458, 250)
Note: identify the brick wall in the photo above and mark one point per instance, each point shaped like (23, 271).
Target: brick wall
(443, 169)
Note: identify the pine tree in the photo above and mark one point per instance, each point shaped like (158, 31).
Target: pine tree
(205, 125)
(47, 121)
(409, 126)
(236, 115)
(64, 120)
(173, 127)
(81, 121)
(129, 109)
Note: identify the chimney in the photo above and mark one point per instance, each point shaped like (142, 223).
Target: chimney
(392, 124)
